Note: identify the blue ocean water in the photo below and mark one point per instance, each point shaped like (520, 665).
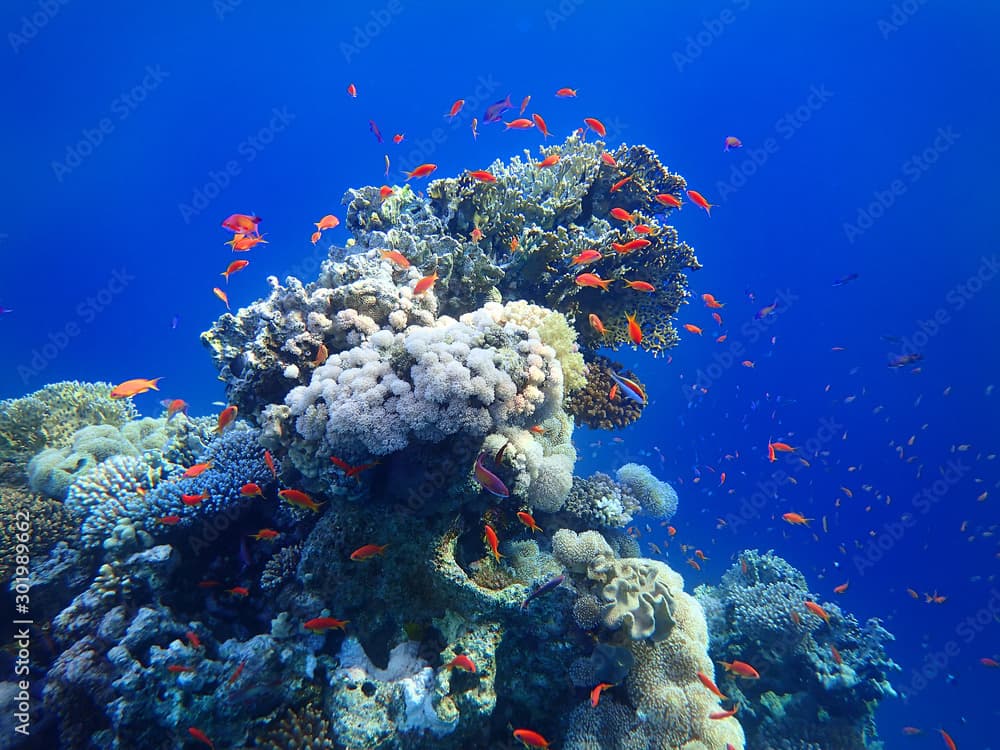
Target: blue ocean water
(869, 137)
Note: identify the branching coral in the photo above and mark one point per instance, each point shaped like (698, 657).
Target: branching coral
(303, 729)
(593, 406)
(601, 501)
(36, 522)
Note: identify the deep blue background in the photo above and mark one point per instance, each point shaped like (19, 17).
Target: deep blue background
(678, 78)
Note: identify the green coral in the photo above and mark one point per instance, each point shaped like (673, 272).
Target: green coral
(47, 523)
(50, 417)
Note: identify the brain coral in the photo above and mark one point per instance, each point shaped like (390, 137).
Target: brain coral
(636, 596)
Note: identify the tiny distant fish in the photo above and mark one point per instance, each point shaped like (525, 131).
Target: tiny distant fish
(375, 131)
(174, 322)
(905, 359)
(766, 310)
(732, 142)
(6, 310)
(845, 279)
(495, 111)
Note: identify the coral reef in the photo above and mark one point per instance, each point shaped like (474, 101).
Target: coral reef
(592, 405)
(304, 729)
(36, 522)
(657, 499)
(820, 681)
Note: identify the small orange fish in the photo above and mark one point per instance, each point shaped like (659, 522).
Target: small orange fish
(549, 161)
(912, 731)
(642, 229)
(621, 183)
(527, 737)
(593, 280)
(490, 537)
(770, 452)
(241, 243)
(240, 591)
(300, 500)
(671, 531)
(322, 354)
(462, 662)
(270, 463)
(226, 417)
(482, 175)
(524, 104)
(169, 520)
(841, 588)
(627, 247)
(200, 736)
(613, 392)
(236, 265)
(179, 668)
(251, 490)
(595, 694)
(725, 714)
(193, 639)
(175, 406)
(368, 551)
(527, 520)
(622, 215)
(596, 323)
(707, 682)
(796, 519)
(948, 740)
(700, 555)
(221, 295)
(817, 610)
(394, 256)
(596, 125)
(748, 363)
(384, 192)
(314, 237)
(717, 318)
(564, 93)
(320, 625)
(521, 123)
(134, 387)
(836, 655)
(195, 499)
(540, 124)
(352, 90)
(668, 200)
(236, 673)
(640, 286)
(265, 535)
(783, 447)
(692, 329)
(740, 669)
(196, 470)
(476, 234)
(327, 222)
(720, 339)
(634, 331)
(587, 256)
(693, 563)
(537, 429)
(711, 302)
(242, 224)
(514, 244)
(425, 283)
(732, 142)
(421, 171)
(608, 159)
(913, 594)
(455, 108)
(699, 200)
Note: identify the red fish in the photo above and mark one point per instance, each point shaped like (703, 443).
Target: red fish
(636, 244)
(640, 286)
(421, 171)
(622, 215)
(368, 551)
(462, 662)
(724, 714)
(169, 520)
(394, 256)
(707, 682)
(221, 295)
(240, 591)
(596, 323)
(242, 224)
(483, 176)
(327, 222)
(528, 520)
(608, 159)
(587, 256)
(841, 588)
(314, 237)
(593, 280)
(398, 138)
(236, 673)
(621, 183)
(226, 417)
(320, 625)
(193, 639)
(300, 500)
(542, 127)
(948, 740)
(384, 192)
(134, 387)
(251, 490)
(351, 471)
(642, 229)
(270, 463)
(836, 655)
(596, 125)
(200, 736)
(527, 737)
(521, 123)
(490, 537)
(717, 318)
(174, 406)
(740, 669)
(455, 108)
(524, 104)
(425, 283)
(817, 610)
(796, 519)
(564, 93)
(699, 200)
(634, 331)
(179, 668)
(265, 535)
(235, 266)
(732, 142)
(668, 200)
(549, 161)
(711, 302)
(194, 499)
(352, 90)
(692, 329)
(595, 694)
(242, 242)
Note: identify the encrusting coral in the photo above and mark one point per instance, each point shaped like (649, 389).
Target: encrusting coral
(592, 405)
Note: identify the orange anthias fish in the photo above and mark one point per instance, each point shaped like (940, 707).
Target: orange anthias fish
(699, 200)
(242, 224)
(368, 551)
(200, 736)
(690, 328)
(740, 669)
(783, 447)
(640, 286)
(542, 127)
(521, 123)
(564, 93)
(269, 460)
(596, 323)
(732, 142)
(425, 283)
(300, 500)
(134, 387)
(549, 161)
(193, 639)
(455, 108)
(717, 318)
(169, 520)
(837, 658)
(524, 104)
(251, 490)
(482, 175)
(174, 406)
(622, 215)
(236, 673)
(320, 625)
(587, 256)
(462, 662)
(608, 159)
(384, 192)
(422, 171)
(796, 519)
(265, 535)
(817, 610)
(912, 731)
(948, 740)
(235, 266)
(634, 331)
(193, 471)
(240, 591)
(242, 242)
(322, 354)
(841, 588)
(596, 125)
(527, 737)
(642, 229)
(476, 234)
(595, 694)
(221, 295)
(749, 363)
(490, 537)
(668, 200)
(621, 183)
(528, 520)
(711, 302)
(351, 471)
(394, 256)
(627, 247)
(770, 452)
(327, 222)
(593, 280)
(707, 682)
(352, 90)
(314, 237)
(226, 417)
(195, 499)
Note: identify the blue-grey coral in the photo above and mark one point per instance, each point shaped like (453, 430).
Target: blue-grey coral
(600, 501)
(656, 498)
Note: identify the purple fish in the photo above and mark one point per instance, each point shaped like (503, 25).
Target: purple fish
(543, 589)
(375, 131)
(490, 481)
(495, 111)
